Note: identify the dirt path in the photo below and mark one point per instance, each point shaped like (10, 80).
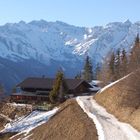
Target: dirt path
(108, 127)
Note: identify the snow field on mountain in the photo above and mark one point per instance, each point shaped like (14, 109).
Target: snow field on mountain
(45, 41)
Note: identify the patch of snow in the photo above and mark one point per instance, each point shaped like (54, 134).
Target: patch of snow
(95, 82)
(71, 42)
(108, 127)
(26, 124)
(27, 137)
(61, 33)
(19, 105)
(89, 30)
(95, 85)
(85, 36)
(83, 47)
(94, 88)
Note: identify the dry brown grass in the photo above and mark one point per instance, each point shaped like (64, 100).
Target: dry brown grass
(6, 136)
(11, 111)
(123, 99)
(3, 121)
(70, 123)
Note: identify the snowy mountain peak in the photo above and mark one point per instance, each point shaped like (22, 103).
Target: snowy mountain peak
(58, 44)
(128, 22)
(43, 40)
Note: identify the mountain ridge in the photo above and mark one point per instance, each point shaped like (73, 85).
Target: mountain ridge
(51, 45)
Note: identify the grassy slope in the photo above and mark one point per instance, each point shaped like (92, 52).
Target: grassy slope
(70, 123)
(123, 99)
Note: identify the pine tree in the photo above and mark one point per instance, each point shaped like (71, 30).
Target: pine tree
(14, 90)
(112, 66)
(55, 91)
(63, 91)
(78, 76)
(97, 71)
(117, 65)
(88, 73)
(124, 64)
(60, 88)
(2, 92)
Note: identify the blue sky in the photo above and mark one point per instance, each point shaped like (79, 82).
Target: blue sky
(76, 12)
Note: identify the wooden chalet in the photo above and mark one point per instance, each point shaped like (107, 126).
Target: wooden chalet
(38, 89)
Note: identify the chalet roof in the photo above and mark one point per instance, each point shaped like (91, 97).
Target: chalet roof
(47, 83)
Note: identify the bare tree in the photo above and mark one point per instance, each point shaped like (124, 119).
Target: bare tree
(134, 62)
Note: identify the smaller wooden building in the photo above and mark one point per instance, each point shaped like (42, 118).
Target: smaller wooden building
(38, 89)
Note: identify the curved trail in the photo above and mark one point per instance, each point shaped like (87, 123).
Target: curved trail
(108, 127)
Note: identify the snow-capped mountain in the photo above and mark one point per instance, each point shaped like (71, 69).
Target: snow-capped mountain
(41, 47)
